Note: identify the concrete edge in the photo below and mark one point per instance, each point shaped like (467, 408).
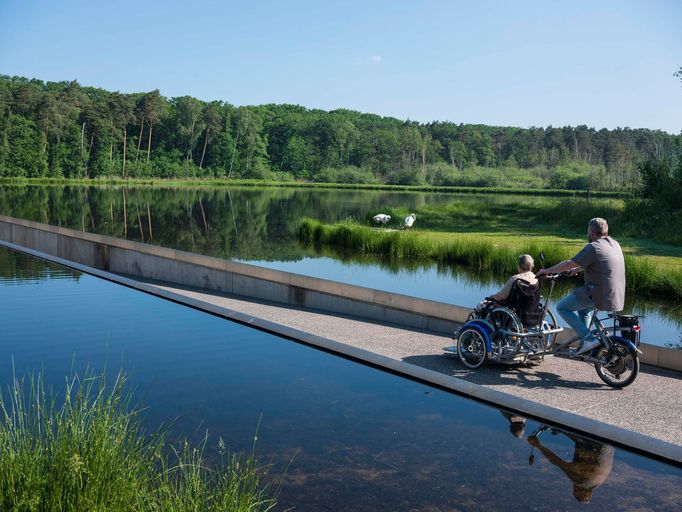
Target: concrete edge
(426, 307)
(400, 309)
(610, 434)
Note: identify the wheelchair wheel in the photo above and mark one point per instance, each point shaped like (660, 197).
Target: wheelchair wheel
(471, 348)
(550, 323)
(502, 318)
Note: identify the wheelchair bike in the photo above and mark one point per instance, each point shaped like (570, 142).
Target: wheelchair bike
(517, 330)
(524, 329)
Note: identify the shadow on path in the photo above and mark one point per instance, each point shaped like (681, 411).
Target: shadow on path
(529, 376)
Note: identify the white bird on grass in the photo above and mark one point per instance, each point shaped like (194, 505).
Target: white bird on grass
(409, 220)
(381, 218)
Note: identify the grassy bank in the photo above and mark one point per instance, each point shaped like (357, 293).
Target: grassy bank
(645, 274)
(86, 451)
(147, 182)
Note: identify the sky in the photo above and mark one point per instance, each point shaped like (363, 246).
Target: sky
(598, 63)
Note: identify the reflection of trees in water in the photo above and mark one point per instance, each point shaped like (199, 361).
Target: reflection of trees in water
(16, 267)
(256, 223)
(253, 223)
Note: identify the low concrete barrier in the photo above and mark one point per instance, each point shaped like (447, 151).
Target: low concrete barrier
(144, 261)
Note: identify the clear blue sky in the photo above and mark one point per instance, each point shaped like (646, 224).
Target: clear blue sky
(600, 63)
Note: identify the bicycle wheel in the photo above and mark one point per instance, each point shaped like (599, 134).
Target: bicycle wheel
(550, 323)
(620, 365)
(471, 348)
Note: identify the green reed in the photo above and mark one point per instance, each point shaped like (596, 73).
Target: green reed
(643, 274)
(87, 451)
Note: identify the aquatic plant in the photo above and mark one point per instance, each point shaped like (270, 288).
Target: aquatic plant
(643, 274)
(87, 451)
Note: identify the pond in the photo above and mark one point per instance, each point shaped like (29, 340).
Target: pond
(357, 438)
(258, 225)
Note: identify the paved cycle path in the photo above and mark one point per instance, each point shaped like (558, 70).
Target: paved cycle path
(651, 406)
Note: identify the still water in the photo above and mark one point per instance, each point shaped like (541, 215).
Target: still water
(357, 438)
(259, 225)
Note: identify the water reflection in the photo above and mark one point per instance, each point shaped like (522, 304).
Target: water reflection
(592, 460)
(16, 270)
(259, 225)
(591, 464)
(517, 424)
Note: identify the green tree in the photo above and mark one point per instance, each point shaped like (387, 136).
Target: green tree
(188, 122)
(212, 120)
(25, 156)
(122, 109)
(252, 144)
(153, 110)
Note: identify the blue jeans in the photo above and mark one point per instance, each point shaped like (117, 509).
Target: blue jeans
(578, 313)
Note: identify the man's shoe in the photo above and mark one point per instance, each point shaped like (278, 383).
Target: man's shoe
(587, 346)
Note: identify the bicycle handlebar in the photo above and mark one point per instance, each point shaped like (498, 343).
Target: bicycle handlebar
(557, 275)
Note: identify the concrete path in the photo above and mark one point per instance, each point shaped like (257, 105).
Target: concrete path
(651, 406)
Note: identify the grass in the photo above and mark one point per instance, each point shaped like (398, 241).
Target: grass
(506, 216)
(88, 452)
(222, 182)
(647, 275)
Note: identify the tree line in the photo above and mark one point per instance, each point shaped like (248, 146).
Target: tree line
(64, 129)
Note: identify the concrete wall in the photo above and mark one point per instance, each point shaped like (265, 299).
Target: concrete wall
(145, 261)
(152, 262)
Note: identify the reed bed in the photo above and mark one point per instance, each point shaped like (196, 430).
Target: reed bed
(644, 275)
(87, 451)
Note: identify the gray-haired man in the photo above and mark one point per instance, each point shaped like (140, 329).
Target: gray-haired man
(604, 266)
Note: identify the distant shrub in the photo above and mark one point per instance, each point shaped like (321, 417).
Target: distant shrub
(348, 174)
(404, 177)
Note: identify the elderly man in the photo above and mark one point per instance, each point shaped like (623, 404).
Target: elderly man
(602, 261)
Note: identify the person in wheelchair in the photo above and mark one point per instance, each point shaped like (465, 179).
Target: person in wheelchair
(520, 293)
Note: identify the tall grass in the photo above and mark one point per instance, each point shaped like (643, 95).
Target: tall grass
(643, 274)
(87, 451)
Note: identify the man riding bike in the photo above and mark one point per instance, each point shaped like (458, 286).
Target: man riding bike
(604, 288)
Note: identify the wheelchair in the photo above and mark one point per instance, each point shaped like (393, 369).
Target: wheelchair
(517, 330)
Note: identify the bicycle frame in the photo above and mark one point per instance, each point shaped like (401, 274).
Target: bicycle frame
(599, 331)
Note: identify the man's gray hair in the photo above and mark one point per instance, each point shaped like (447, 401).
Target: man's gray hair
(526, 262)
(598, 226)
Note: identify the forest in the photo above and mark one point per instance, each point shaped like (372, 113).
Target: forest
(66, 130)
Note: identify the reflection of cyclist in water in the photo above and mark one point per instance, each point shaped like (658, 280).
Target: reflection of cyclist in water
(517, 424)
(590, 467)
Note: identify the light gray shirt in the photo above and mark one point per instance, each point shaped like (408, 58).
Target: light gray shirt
(604, 266)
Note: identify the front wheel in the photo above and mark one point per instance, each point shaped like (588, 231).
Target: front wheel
(618, 366)
(471, 348)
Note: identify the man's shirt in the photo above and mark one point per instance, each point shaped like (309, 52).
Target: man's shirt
(604, 266)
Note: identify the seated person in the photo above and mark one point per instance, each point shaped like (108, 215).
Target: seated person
(525, 268)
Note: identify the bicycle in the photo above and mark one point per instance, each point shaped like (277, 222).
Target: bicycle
(500, 337)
